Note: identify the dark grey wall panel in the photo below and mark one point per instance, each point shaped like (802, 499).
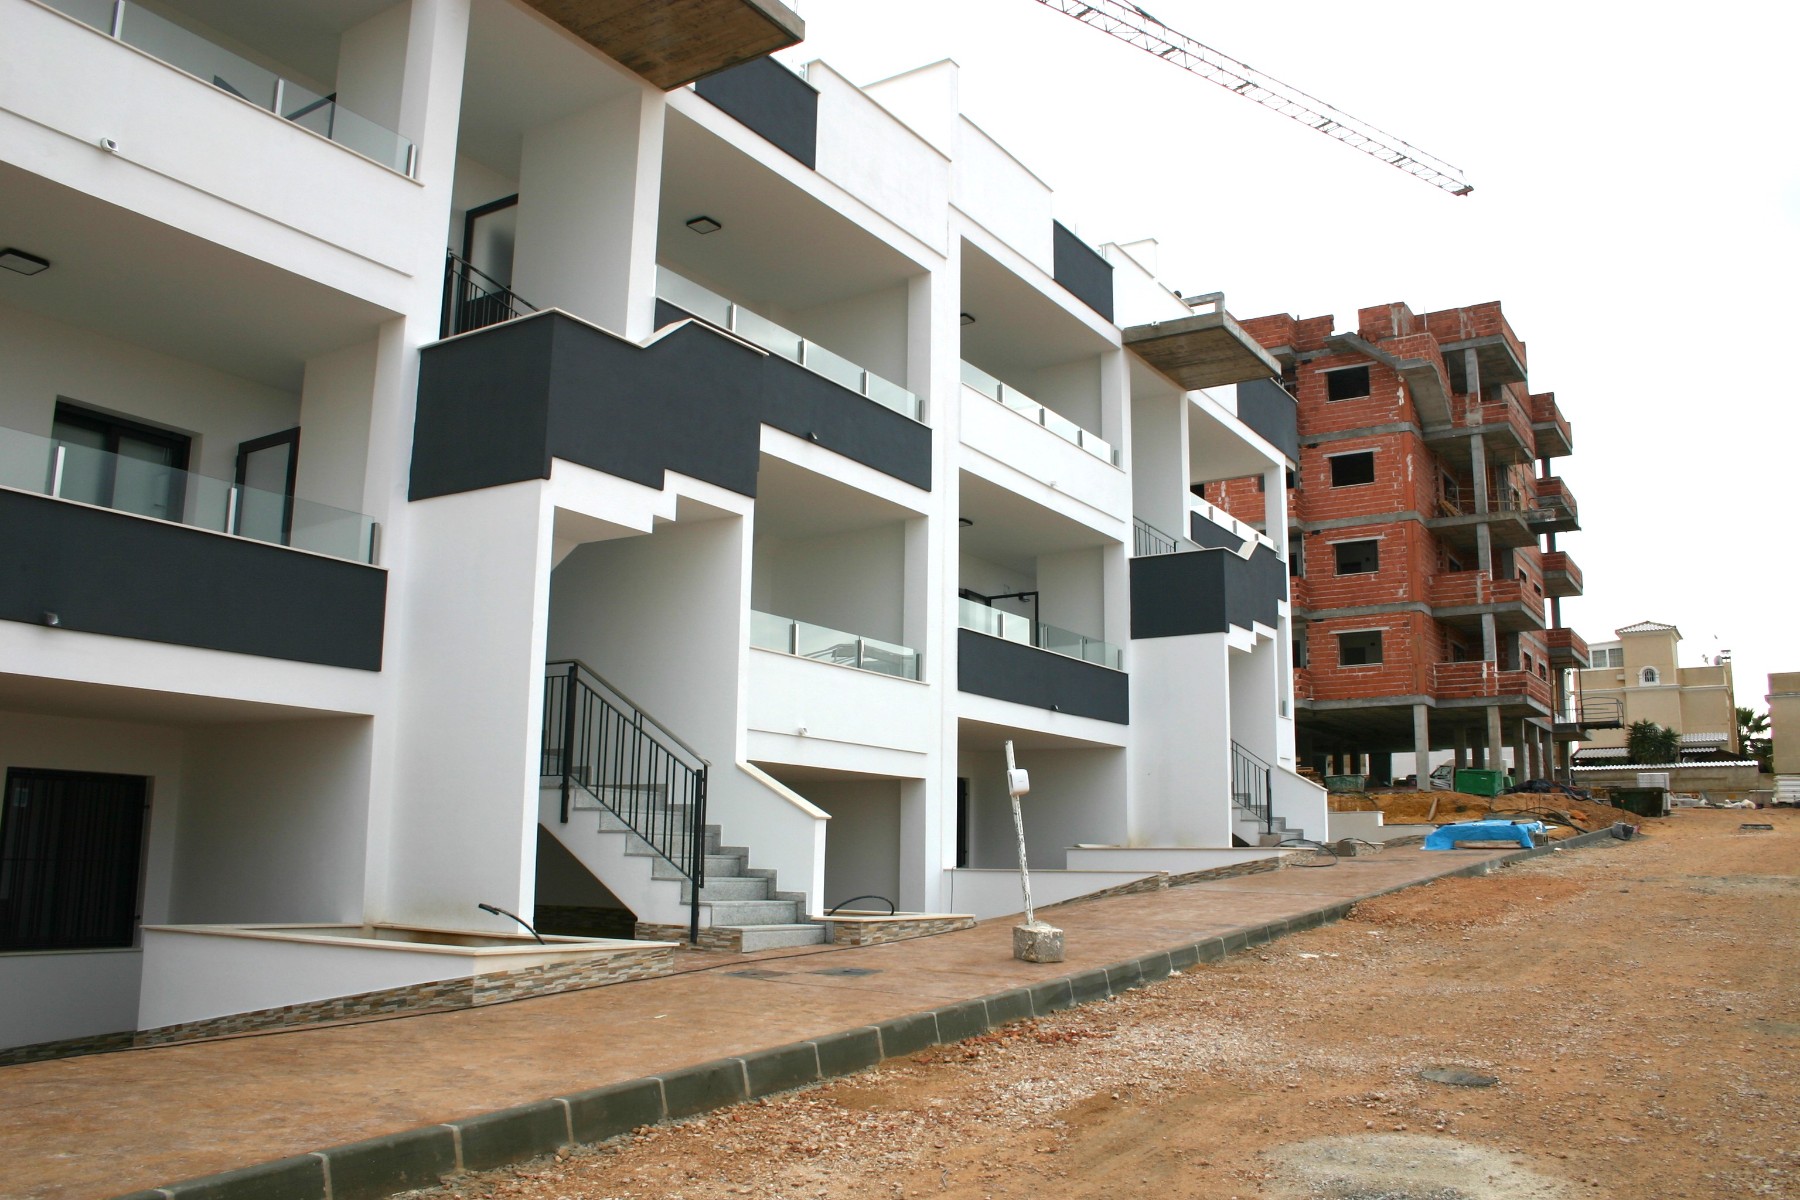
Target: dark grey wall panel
(497, 405)
(1003, 670)
(773, 101)
(1205, 591)
(1081, 269)
(1266, 407)
(1203, 532)
(106, 572)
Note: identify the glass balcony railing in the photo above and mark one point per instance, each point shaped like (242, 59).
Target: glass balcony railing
(709, 306)
(804, 640)
(1031, 410)
(52, 467)
(979, 617)
(187, 51)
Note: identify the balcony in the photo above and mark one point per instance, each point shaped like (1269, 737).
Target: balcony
(691, 298)
(66, 471)
(1011, 398)
(1206, 349)
(186, 51)
(1486, 681)
(125, 548)
(1458, 596)
(474, 299)
(1556, 511)
(1509, 516)
(576, 392)
(816, 642)
(1561, 576)
(1550, 428)
(1567, 648)
(980, 618)
(678, 41)
(1502, 420)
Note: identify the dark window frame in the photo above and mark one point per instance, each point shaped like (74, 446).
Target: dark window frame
(1345, 648)
(1339, 549)
(110, 427)
(59, 890)
(1339, 382)
(1341, 477)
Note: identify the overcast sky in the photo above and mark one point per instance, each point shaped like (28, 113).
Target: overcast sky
(1636, 211)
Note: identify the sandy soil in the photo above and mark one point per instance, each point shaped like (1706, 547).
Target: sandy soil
(1636, 1004)
(1407, 808)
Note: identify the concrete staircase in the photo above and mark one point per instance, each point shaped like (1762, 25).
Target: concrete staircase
(741, 907)
(1249, 827)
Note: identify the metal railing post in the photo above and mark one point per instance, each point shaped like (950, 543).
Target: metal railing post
(568, 746)
(118, 20)
(56, 472)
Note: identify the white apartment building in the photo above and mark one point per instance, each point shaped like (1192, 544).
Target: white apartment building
(759, 459)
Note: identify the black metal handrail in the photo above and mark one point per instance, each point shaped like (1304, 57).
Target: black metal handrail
(1147, 539)
(474, 299)
(1252, 786)
(596, 740)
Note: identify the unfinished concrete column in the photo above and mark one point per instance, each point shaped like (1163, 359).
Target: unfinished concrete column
(1422, 744)
(1520, 762)
(1460, 744)
(1493, 737)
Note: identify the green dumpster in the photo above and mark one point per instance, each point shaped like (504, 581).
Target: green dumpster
(1345, 783)
(1480, 781)
(1645, 802)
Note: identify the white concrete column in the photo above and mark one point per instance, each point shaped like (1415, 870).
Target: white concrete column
(589, 185)
(1422, 744)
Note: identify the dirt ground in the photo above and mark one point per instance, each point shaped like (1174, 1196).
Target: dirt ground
(1406, 808)
(1635, 1004)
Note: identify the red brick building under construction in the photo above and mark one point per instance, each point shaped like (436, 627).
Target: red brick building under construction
(1426, 608)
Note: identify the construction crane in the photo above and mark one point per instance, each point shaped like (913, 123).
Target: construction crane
(1133, 25)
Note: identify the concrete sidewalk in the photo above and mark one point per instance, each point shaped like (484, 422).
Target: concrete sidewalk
(115, 1123)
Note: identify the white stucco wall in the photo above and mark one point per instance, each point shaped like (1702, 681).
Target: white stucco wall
(1181, 784)
(854, 582)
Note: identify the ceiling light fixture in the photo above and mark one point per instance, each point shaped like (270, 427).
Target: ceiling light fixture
(968, 319)
(703, 225)
(25, 264)
(964, 522)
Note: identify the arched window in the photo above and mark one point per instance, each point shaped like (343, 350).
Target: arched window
(1647, 676)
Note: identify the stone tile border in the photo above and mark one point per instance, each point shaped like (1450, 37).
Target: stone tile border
(420, 1158)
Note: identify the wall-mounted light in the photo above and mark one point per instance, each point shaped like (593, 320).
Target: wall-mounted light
(703, 225)
(14, 259)
(968, 318)
(52, 619)
(964, 522)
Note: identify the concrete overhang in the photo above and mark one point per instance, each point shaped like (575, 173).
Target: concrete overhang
(674, 42)
(1422, 378)
(1201, 351)
(1494, 357)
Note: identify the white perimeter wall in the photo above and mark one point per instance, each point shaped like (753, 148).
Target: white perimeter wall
(48, 996)
(274, 826)
(1181, 783)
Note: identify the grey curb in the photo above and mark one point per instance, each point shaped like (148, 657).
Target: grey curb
(705, 1087)
(301, 1178)
(1052, 995)
(602, 1113)
(399, 1162)
(782, 1069)
(382, 1166)
(1088, 986)
(908, 1035)
(512, 1134)
(958, 1021)
(848, 1052)
(1006, 1007)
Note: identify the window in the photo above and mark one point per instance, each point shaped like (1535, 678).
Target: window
(1293, 480)
(1299, 650)
(1348, 470)
(1611, 656)
(1648, 676)
(1360, 649)
(120, 464)
(1348, 383)
(1296, 558)
(1199, 489)
(70, 845)
(1358, 558)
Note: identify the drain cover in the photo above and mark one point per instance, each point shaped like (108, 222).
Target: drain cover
(1458, 1077)
(847, 971)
